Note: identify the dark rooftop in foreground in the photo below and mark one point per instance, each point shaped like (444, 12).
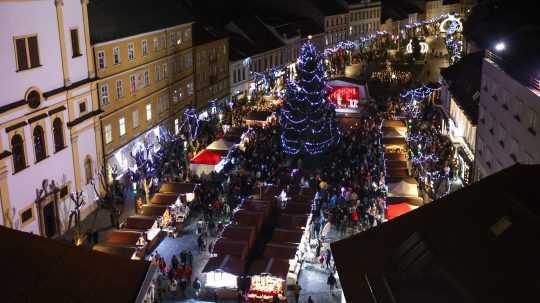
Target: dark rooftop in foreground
(115, 19)
(479, 244)
(464, 79)
(37, 269)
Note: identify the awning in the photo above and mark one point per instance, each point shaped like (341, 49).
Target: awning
(163, 199)
(208, 157)
(177, 188)
(273, 266)
(404, 188)
(396, 210)
(220, 144)
(225, 263)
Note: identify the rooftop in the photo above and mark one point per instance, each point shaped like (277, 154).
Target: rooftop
(517, 26)
(331, 7)
(110, 20)
(464, 79)
(398, 10)
(474, 245)
(37, 269)
(249, 36)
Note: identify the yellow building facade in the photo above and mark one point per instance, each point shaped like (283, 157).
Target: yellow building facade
(211, 71)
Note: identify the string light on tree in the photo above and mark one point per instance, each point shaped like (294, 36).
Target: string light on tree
(307, 120)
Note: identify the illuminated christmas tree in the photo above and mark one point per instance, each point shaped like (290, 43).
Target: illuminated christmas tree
(308, 121)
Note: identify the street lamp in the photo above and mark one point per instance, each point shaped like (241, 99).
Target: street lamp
(500, 46)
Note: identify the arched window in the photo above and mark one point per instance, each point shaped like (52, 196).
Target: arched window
(17, 150)
(88, 169)
(39, 144)
(58, 133)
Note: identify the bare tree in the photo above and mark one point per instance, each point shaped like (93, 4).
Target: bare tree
(146, 169)
(107, 193)
(75, 215)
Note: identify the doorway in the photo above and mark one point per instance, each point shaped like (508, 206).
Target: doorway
(49, 219)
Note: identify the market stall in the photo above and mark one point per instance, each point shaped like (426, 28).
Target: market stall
(258, 118)
(240, 233)
(287, 236)
(233, 134)
(166, 199)
(222, 273)
(296, 208)
(248, 218)
(144, 224)
(221, 144)
(268, 278)
(129, 239)
(395, 210)
(121, 251)
(267, 192)
(207, 161)
(257, 206)
(185, 191)
(291, 253)
(293, 221)
(239, 249)
(407, 187)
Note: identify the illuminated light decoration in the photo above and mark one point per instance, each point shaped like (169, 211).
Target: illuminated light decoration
(500, 46)
(191, 121)
(424, 47)
(451, 25)
(307, 120)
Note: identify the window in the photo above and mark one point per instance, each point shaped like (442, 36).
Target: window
(27, 53)
(144, 47)
(155, 41)
(33, 99)
(176, 126)
(187, 34)
(148, 112)
(179, 38)
(58, 134)
(173, 38)
(101, 59)
(165, 71)
(27, 215)
(108, 134)
(131, 51)
(158, 73)
(243, 74)
(17, 150)
(119, 89)
(104, 88)
(234, 77)
(132, 84)
(76, 50)
(116, 55)
(135, 118)
(39, 143)
(189, 88)
(82, 107)
(88, 169)
(146, 78)
(122, 126)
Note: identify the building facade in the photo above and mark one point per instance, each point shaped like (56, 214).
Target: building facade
(144, 79)
(47, 114)
(364, 18)
(509, 127)
(211, 71)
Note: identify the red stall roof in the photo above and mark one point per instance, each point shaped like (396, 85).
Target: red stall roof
(280, 251)
(229, 247)
(225, 263)
(208, 157)
(273, 266)
(240, 233)
(287, 236)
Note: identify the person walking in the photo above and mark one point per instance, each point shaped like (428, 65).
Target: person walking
(331, 282)
(200, 242)
(328, 257)
(309, 300)
(197, 286)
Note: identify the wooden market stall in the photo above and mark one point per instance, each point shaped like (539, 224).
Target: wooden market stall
(240, 233)
(239, 249)
(121, 251)
(293, 221)
(297, 208)
(268, 278)
(287, 236)
(249, 218)
(166, 199)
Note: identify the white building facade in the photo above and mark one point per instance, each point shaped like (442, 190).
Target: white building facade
(364, 18)
(47, 134)
(508, 131)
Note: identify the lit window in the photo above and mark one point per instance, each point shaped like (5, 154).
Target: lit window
(165, 71)
(132, 84)
(116, 55)
(108, 134)
(148, 112)
(176, 126)
(131, 51)
(135, 117)
(187, 34)
(146, 78)
(189, 87)
(101, 59)
(158, 73)
(104, 96)
(156, 44)
(119, 89)
(144, 47)
(122, 126)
